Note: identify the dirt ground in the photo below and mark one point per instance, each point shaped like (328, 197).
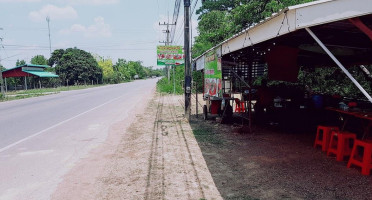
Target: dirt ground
(163, 156)
(273, 164)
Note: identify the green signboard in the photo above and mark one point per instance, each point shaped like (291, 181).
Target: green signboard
(170, 55)
(212, 75)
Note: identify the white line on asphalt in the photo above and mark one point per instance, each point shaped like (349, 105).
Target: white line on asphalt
(60, 123)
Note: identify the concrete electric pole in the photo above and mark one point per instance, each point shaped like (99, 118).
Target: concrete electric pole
(187, 60)
(167, 42)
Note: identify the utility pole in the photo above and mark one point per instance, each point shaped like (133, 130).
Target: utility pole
(167, 42)
(50, 43)
(187, 60)
(1, 74)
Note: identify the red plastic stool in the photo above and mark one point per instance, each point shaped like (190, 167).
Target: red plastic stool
(239, 106)
(340, 144)
(323, 135)
(363, 158)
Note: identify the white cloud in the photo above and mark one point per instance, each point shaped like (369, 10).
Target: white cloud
(98, 29)
(93, 2)
(73, 2)
(18, 1)
(54, 12)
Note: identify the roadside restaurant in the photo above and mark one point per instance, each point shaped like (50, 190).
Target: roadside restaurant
(325, 33)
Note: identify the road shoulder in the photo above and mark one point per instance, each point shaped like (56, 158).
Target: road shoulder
(155, 157)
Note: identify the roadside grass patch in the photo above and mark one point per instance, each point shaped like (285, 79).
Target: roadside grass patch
(207, 136)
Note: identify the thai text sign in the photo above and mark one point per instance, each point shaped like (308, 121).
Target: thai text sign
(170, 55)
(212, 75)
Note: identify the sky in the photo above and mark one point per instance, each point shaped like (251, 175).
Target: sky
(113, 29)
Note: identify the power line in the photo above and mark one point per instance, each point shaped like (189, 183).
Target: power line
(176, 12)
(193, 9)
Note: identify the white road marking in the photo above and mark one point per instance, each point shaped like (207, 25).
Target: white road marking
(60, 123)
(41, 152)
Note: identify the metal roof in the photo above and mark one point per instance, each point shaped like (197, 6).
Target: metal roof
(295, 18)
(41, 74)
(27, 65)
(36, 70)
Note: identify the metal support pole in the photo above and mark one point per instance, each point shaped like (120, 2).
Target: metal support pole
(1, 84)
(168, 71)
(187, 59)
(339, 64)
(6, 86)
(174, 80)
(250, 97)
(196, 97)
(1, 76)
(25, 82)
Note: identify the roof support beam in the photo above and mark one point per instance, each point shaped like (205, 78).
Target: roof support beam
(339, 64)
(361, 26)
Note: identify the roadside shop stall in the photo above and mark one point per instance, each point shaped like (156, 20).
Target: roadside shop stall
(324, 33)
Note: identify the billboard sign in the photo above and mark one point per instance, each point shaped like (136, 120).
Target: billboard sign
(170, 55)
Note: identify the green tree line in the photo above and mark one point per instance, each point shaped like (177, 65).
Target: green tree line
(76, 66)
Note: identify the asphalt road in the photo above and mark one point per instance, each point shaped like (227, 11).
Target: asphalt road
(42, 138)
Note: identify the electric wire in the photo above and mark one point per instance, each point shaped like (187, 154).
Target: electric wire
(176, 12)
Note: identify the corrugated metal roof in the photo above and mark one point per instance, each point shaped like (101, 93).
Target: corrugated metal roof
(27, 65)
(360, 7)
(42, 74)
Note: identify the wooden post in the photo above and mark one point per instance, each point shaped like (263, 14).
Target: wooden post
(40, 83)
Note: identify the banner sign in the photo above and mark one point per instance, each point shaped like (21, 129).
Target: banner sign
(200, 63)
(170, 55)
(212, 75)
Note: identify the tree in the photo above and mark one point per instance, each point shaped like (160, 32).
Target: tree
(107, 70)
(20, 62)
(75, 66)
(39, 60)
(216, 5)
(121, 70)
(213, 28)
(56, 56)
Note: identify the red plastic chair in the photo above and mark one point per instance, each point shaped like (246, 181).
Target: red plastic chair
(323, 136)
(239, 106)
(362, 159)
(340, 144)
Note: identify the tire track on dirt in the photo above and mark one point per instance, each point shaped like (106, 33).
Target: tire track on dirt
(179, 150)
(151, 185)
(183, 139)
